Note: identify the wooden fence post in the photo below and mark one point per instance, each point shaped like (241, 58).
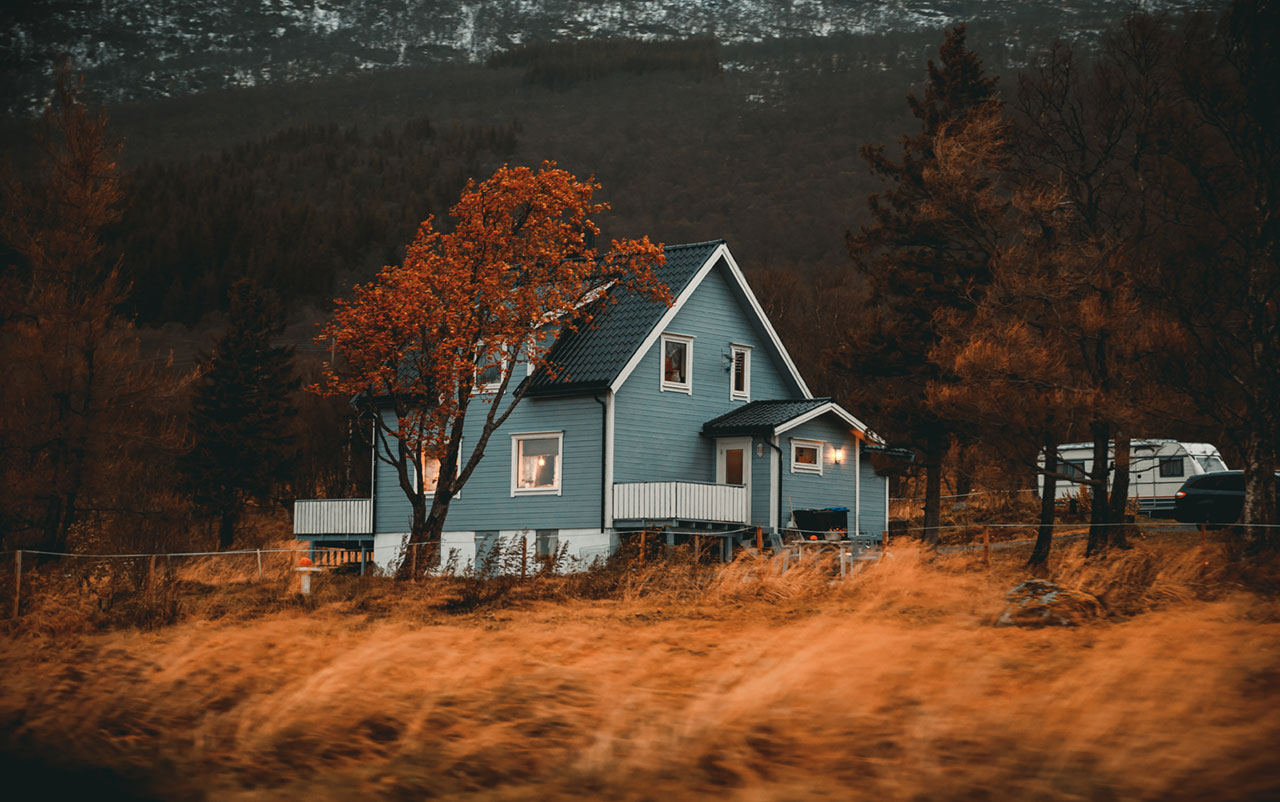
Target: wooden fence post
(151, 579)
(259, 565)
(643, 536)
(759, 542)
(17, 581)
(524, 557)
(986, 546)
(1204, 536)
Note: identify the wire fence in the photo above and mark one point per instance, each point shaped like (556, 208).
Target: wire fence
(367, 557)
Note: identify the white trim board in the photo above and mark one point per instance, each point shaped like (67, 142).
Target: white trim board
(610, 408)
(836, 410)
(722, 251)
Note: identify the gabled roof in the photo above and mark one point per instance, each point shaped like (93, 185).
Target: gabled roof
(601, 355)
(776, 417)
(592, 357)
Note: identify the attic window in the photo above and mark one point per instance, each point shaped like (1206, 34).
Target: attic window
(676, 351)
(740, 373)
(489, 374)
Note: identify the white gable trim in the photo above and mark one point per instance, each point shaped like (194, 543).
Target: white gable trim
(835, 409)
(657, 330)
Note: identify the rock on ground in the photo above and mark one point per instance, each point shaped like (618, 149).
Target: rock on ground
(1040, 603)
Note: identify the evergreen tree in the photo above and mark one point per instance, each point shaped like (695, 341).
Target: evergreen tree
(926, 252)
(241, 412)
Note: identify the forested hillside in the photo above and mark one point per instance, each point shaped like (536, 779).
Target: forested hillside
(311, 187)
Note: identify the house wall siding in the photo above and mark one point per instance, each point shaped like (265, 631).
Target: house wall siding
(761, 489)
(871, 515)
(658, 434)
(836, 486)
(485, 502)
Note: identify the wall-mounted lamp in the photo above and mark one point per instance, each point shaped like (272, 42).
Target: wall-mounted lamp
(838, 455)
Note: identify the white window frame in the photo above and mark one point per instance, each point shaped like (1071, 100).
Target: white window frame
(665, 386)
(492, 387)
(745, 393)
(555, 490)
(804, 467)
(413, 475)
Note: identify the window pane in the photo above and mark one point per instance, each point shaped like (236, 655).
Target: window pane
(674, 367)
(740, 371)
(806, 455)
(489, 375)
(539, 463)
(1171, 467)
(1210, 464)
(430, 473)
(733, 466)
(548, 542)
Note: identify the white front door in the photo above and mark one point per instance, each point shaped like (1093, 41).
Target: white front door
(733, 464)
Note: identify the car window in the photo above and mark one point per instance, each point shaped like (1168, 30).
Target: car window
(1230, 482)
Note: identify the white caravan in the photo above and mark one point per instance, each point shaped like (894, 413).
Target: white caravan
(1157, 468)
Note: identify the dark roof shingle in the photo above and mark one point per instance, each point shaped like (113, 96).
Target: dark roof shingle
(760, 417)
(592, 357)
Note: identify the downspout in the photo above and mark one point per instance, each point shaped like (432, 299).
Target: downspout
(373, 477)
(604, 457)
(775, 447)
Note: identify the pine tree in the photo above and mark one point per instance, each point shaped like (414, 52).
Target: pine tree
(241, 411)
(927, 252)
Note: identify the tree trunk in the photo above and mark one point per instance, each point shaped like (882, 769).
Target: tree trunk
(933, 488)
(416, 551)
(1259, 494)
(1099, 536)
(1120, 493)
(1039, 562)
(227, 528)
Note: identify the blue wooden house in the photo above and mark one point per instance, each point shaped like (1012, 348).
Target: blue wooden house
(691, 418)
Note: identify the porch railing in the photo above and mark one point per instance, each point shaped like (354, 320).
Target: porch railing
(333, 516)
(688, 501)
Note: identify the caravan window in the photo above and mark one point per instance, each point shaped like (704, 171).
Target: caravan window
(1171, 466)
(1211, 464)
(1073, 469)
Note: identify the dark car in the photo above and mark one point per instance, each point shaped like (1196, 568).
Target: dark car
(1211, 498)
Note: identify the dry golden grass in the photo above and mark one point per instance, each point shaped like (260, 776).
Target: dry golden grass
(743, 682)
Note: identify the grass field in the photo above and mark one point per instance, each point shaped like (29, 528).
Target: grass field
(666, 682)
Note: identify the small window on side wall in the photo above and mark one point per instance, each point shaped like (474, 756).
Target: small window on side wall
(806, 456)
(740, 373)
(548, 543)
(1171, 466)
(676, 352)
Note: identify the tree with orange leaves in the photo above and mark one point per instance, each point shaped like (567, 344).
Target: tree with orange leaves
(426, 340)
